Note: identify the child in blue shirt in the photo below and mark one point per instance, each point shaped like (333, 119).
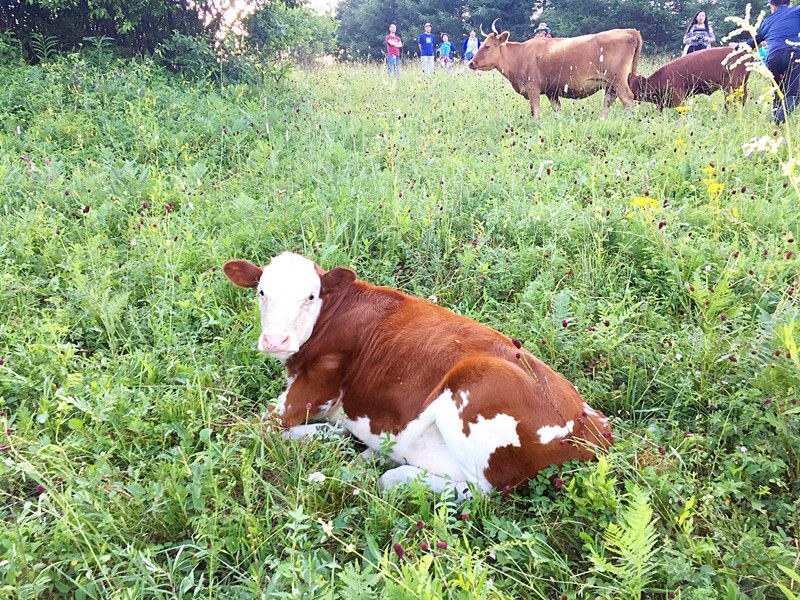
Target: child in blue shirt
(446, 51)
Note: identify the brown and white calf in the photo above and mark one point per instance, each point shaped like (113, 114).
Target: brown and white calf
(460, 402)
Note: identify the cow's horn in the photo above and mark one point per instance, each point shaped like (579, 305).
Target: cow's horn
(483, 33)
(493, 27)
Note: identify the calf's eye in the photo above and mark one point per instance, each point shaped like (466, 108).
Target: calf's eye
(311, 297)
(261, 292)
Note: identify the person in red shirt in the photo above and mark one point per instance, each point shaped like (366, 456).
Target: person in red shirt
(393, 45)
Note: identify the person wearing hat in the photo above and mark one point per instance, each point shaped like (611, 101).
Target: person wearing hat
(781, 30)
(426, 49)
(543, 31)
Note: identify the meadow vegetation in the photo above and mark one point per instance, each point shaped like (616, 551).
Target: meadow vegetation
(647, 258)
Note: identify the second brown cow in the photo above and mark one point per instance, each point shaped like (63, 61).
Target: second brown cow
(702, 72)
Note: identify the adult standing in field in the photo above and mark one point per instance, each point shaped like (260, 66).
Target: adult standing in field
(781, 31)
(393, 45)
(470, 46)
(426, 43)
(699, 35)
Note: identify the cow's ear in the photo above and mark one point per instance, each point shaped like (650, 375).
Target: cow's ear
(337, 279)
(503, 37)
(242, 273)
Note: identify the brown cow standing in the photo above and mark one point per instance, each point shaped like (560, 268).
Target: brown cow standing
(565, 67)
(454, 398)
(702, 72)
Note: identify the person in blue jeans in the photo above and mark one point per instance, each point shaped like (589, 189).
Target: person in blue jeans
(426, 42)
(780, 30)
(393, 45)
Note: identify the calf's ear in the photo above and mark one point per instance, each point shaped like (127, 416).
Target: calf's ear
(242, 273)
(337, 279)
(503, 37)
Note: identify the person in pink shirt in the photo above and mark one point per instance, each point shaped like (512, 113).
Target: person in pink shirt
(393, 45)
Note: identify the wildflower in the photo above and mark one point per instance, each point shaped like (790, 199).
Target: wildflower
(420, 525)
(742, 449)
(86, 209)
(356, 492)
(327, 527)
(309, 406)
(464, 517)
(559, 483)
(316, 477)
(350, 548)
(789, 255)
(516, 342)
(732, 358)
(168, 207)
(708, 268)
(40, 489)
(5, 448)
(683, 109)
(398, 549)
(544, 342)
(662, 224)
(441, 545)
(2, 361)
(723, 317)
(425, 546)
(661, 450)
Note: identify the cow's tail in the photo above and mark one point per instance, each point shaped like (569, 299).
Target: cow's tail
(635, 63)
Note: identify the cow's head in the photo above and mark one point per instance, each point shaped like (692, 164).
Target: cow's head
(290, 291)
(488, 55)
(641, 88)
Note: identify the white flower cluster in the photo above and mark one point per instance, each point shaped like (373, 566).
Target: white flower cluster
(763, 145)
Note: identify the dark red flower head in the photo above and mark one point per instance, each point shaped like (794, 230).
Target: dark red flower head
(516, 342)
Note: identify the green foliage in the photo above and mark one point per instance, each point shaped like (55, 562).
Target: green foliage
(279, 31)
(131, 392)
(628, 548)
(190, 55)
(45, 47)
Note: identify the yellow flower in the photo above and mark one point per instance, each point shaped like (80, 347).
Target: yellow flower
(680, 142)
(683, 109)
(645, 203)
(715, 188)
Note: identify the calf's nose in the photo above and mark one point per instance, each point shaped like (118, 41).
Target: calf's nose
(275, 342)
(471, 65)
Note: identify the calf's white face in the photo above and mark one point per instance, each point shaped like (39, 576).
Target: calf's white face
(288, 297)
(289, 290)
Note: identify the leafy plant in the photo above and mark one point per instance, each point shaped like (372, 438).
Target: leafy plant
(45, 47)
(625, 558)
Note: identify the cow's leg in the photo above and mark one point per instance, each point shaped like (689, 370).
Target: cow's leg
(625, 94)
(608, 100)
(408, 473)
(555, 102)
(504, 420)
(533, 97)
(301, 431)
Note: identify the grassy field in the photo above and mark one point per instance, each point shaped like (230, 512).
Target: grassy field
(647, 258)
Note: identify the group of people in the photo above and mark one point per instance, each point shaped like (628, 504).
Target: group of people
(445, 50)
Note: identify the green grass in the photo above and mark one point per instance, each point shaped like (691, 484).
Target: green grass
(136, 462)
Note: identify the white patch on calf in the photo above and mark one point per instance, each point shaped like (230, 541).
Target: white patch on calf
(548, 433)
(280, 406)
(435, 441)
